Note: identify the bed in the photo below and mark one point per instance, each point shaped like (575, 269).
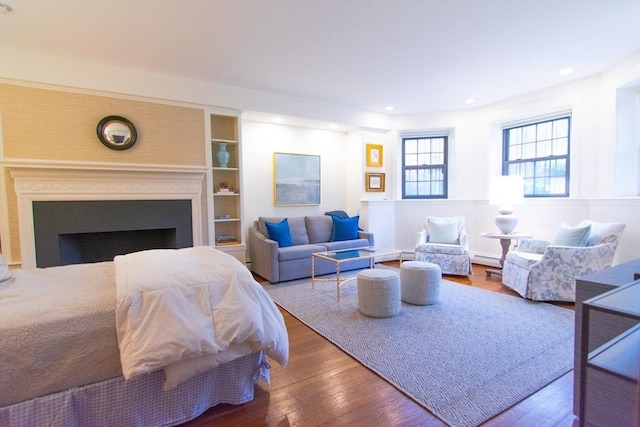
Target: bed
(153, 338)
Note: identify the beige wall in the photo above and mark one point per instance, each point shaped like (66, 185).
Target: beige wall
(45, 124)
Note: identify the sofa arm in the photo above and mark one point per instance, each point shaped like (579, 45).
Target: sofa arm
(264, 255)
(421, 238)
(533, 246)
(366, 235)
(583, 259)
(557, 270)
(464, 240)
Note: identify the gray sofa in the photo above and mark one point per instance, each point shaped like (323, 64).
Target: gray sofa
(309, 234)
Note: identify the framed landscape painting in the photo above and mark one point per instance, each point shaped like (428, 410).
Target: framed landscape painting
(296, 179)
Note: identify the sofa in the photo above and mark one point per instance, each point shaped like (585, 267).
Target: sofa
(281, 248)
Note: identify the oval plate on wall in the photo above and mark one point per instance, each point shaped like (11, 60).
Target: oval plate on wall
(117, 133)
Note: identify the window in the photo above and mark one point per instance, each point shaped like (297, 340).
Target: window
(424, 167)
(539, 152)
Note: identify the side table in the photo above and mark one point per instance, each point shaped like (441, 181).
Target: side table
(505, 242)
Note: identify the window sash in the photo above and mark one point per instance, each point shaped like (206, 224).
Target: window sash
(424, 166)
(539, 152)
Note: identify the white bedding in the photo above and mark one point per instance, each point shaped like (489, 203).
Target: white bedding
(188, 310)
(57, 330)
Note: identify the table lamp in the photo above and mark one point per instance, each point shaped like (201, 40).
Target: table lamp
(506, 191)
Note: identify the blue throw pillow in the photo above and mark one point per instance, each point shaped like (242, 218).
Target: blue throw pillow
(280, 232)
(344, 229)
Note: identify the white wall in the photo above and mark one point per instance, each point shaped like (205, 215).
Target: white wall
(475, 155)
(338, 160)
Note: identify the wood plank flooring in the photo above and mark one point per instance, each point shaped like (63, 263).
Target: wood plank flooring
(322, 385)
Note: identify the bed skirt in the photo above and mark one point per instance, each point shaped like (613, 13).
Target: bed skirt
(141, 402)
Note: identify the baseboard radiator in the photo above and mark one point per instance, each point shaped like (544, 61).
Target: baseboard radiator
(488, 260)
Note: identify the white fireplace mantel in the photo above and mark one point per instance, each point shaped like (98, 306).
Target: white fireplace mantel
(63, 181)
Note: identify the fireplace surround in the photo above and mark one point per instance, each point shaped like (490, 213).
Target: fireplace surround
(135, 188)
(74, 232)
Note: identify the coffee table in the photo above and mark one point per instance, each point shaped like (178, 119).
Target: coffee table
(344, 255)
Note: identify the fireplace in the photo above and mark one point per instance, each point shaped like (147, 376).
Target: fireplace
(71, 213)
(74, 232)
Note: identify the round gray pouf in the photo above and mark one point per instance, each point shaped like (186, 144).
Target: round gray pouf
(379, 292)
(420, 282)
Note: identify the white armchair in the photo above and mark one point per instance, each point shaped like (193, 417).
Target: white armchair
(444, 241)
(545, 271)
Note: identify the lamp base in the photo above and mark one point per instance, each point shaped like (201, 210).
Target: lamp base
(506, 223)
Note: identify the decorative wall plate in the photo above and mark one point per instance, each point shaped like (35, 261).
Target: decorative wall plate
(117, 133)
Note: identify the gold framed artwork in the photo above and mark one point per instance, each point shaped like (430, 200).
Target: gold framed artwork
(374, 155)
(374, 181)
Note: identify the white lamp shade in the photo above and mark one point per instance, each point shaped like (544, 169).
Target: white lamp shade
(506, 191)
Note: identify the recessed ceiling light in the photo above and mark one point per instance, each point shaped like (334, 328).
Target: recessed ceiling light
(566, 71)
(388, 108)
(470, 101)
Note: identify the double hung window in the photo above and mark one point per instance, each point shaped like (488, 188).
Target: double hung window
(424, 167)
(539, 152)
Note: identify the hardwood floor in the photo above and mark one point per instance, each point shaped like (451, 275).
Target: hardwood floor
(322, 385)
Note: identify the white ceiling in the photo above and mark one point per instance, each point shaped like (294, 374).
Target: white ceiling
(418, 56)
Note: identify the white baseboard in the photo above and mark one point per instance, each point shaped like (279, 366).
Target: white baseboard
(488, 260)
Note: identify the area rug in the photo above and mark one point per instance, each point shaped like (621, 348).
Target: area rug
(466, 359)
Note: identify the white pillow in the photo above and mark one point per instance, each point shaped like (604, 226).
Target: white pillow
(602, 232)
(443, 231)
(4, 269)
(571, 236)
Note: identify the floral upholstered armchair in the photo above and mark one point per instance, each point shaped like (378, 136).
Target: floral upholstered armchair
(444, 241)
(547, 270)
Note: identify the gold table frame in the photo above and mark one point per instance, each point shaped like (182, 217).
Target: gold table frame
(344, 255)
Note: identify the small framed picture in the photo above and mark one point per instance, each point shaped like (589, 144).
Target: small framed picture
(374, 181)
(374, 155)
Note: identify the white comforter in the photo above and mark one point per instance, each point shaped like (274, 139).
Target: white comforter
(189, 310)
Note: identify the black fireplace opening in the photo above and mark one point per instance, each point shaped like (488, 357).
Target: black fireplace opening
(74, 232)
(81, 248)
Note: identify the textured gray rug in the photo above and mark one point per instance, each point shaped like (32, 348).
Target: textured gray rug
(466, 359)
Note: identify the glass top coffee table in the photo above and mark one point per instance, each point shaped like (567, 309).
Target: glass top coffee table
(344, 255)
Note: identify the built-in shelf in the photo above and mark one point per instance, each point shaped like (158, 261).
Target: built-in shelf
(614, 366)
(227, 227)
(226, 141)
(620, 356)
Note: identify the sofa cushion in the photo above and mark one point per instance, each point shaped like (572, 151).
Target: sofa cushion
(298, 229)
(346, 244)
(441, 248)
(298, 252)
(523, 259)
(319, 228)
(571, 236)
(280, 232)
(263, 219)
(344, 229)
